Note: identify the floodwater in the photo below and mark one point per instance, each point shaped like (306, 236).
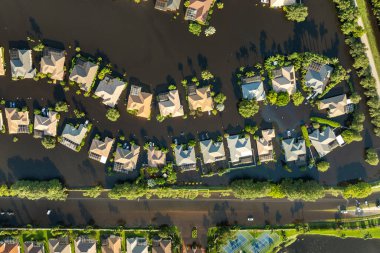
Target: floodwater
(155, 49)
(323, 244)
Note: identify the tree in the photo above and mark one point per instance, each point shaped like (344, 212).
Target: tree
(298, 98)
(61, 106)
(79, 114)
(371, 157)
(251, 129)
(172, 87)
(113, 114)
(207, 75)
(359, 190)
(249, 189)
(272, 97)
(48, 142)
(323, 166)
(355, 98)
(296, 12)
(105, 71)
(34, 190)
(248, 108)
(303, 190)
(93, 192)
(282, 99)
(210, 31)
(220, 98)
(195, 28)
(350, 136)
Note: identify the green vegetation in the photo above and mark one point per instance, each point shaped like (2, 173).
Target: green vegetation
(371, 157)
(15, 139)
(283, 99)
(105, 71)
(305, 135)
(296, 12)
(79, 114)
(359, 190)
(39, 47)
(48, 142)
(323, 121)
(251, 129)
(61, 106)
(323, 166)
(112, 114)
(355, 98)
(272, 97)
(172, 87)
(195, 28)
(350, 136)
(207, 75)
(248, 108)
(93, 192)
(220, 98)
(34, 190)
(298, 98)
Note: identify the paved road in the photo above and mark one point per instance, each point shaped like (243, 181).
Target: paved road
(185, 214)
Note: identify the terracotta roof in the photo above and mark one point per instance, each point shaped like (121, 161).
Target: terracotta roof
(85, 245)
(170, 105)
(126, 159)
(17, 120)
(59, 245)
(161, 246)
(84, 73)
(47, 125)
(53, 62)
(112, 245)
(156, 157)
(198, 10)
(100, 150)
(201, 99)
(140, 102)
(34, 247)
(9, 247)
(265, 145)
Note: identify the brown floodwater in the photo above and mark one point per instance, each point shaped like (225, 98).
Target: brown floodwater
(155, 49)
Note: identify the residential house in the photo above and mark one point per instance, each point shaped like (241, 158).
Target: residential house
(2, 65)
(170, 105)
(294, 149)
(167, 5)
(110, 89)
(323, 141)
(200, 99)
(100, 150)
(112, 244)
(21, 63)
(72, 137)
(156, 157)
(284, 80)
(53, 63)
(265, 145)
(139, 103)
(18, 121)
(9, 246)
(85, 245)
(336, 106)
(253, 88)
(185, 157)
(198, 10)
(126, 158)
(34, 247)
(240, 149)
(59, 245)
(160, 245)
(137, 245)
(84, 74)
(46, 125)
(281, 3)
(317, 76)
(212, 151)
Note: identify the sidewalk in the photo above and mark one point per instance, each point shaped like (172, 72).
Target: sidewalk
(364, 39)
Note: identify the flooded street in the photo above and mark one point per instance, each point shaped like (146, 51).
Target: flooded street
(155, 49)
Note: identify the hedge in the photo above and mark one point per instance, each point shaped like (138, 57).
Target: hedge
(305, 135)
(325, 122)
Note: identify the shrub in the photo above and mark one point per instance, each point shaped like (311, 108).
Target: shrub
(48, 142)
(323, 121)
(272, 97)
(371, 157)
(105, 71)
(249, 189)
(359, 190)
(79, 114)
(61, 106)
(34, 190)
(296, 12)
(251, 129)
(323, 166)
(195, 28)
(112, 114)
(305, 135)
(248, 108)
(282, 99)
(210, 31)
(220, 5)
(207, 75)
(350, 136)
(93, 192)
(298, 98)
(172, 87)
(220, 98)
(355, 98)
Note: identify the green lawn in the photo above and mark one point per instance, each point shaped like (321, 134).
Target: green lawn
(364, 11)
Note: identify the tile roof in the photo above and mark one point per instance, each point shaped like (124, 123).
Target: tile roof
(18, 121)
(167, 5)
(265, 145)
(323, 141)
(281, 3)
(100, 150)
(140, 102)
(284, 80)
(110, 89)
(161, 246)
(53, 62)
(239, 147)
(9, 247)
(34, 247)
(126, 159)
(212, 151)
(137, 245)
(201, 99)
(85, 245)
(198, 10)
(84, 73)
(185, 157)
(294, 149)
(47, 125)
(112, 245)
(156, 157)
(253, 88)
(59, 245)
(170, 105)
(336, 106)
(21, 63)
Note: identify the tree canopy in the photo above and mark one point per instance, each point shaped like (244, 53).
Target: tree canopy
(248, 108)
(296, 12)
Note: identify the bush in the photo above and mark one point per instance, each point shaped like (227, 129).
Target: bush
(296, 12)
(210, 31)
(298, 98)
(34, 190)
(172, 87)
(248, 108)
(249, 189)
(61, 106)
(105, 71)
(282, 99)
(323, 121)
(48, 142)
(371, 157)
(112, 114)
(78, 114)
(359, 190)
(305, 135)
(355, 98)
(220, 98)
(272, 97)
(93, 192)
(251, 129)
(195, 28)
(350, 136)
(323, 166)
(207, 75)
